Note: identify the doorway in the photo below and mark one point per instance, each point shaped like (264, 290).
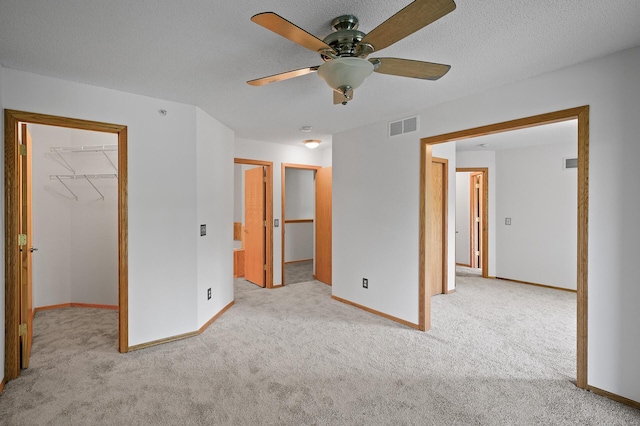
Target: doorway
(475, 235)
(17, 310)
(426, 212)
(310, 198)
(253, 221)
(476, 185)
(298, 222)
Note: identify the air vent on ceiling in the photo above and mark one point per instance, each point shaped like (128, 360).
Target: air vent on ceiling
(570, 163)
(406, 125)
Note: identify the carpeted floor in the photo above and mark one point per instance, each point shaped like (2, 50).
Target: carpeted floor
(298, 272)
(241, 285)
(465, 271)
(499, 354)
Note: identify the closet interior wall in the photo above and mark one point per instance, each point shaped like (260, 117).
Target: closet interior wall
(77, 239)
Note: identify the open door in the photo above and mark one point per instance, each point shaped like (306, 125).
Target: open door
(254, 226)
(323, 225)
(477, 190)
(26, 249)
(439, 224)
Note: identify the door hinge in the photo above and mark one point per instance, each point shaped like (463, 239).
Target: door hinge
(477, 253)
(265, 179)
(22, 329)
(265, 266)
(22, 240)
(265, 223)
(22, 149)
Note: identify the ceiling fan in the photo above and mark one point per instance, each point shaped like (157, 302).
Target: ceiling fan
(345, 51)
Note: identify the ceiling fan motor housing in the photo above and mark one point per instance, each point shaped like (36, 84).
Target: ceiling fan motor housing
(345, 40)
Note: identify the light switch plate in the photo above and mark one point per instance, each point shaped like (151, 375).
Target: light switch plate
(203, 230)
(507, 221)
(276, 223)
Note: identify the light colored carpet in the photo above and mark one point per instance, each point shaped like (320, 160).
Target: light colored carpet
(465, 271)
(241, 285)
(298, 272)
(499, 354)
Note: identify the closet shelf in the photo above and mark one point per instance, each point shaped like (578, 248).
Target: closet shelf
(86, 177)
(59, 150)
(85, 148)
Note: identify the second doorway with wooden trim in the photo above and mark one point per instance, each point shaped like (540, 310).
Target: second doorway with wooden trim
(306, 228)
(253, 221)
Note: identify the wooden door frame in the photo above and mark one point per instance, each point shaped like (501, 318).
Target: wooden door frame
(485, 214)
(11, 226)
(581, 114)
(445, 222)
(283, 191)
(268, 254)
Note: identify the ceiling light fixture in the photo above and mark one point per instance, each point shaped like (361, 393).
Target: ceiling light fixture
(311, 143)
(345, 74)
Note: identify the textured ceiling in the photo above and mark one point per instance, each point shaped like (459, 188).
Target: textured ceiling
(202, 52)
(562, 132)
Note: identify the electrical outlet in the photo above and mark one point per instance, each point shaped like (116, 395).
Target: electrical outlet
(208, 294)
(365, 283)
(203, 230)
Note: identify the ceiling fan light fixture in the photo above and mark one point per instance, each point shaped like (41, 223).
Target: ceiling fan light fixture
(345, 72)
(312, 143)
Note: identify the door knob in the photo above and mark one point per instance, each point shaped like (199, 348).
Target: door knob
(32, 249)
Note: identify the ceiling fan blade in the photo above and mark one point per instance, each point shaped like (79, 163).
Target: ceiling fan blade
(413, 17)
(410, 68)
(286, 29)
(340, 98)
(282, 76)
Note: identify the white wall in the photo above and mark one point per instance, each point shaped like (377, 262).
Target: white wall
(463, 212)
(375, 219)
(163, 211)
(215, 210)
(299, 244)
(540, 197)
(379, 238)
(327, 157)
(300, 188)
(238, 194)
(77, 240)
(278, 154)
(300, 204)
